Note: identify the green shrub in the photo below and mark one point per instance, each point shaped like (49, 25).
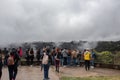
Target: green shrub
(105, 57)
(117, 58)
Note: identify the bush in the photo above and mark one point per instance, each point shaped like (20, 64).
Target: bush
(117, 58)
(105, 57)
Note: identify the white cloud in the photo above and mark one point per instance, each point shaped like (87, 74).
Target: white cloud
(59, 20)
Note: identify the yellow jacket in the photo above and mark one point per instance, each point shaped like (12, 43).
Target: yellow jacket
(87, 55)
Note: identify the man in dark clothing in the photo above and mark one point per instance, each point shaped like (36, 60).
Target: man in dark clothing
(5, 51)
(79, 58)
(31, 53)
(27, 56)
(38, 56)
(16, 59)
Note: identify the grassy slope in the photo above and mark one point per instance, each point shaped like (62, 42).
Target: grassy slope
(91, 78)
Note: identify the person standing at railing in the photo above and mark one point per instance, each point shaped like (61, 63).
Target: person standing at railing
(93, 56)
(87, 58)
(64, 54)
(74, 57)
(38, 56)
(57, 59)
(79, 58)
(5, 52)
(69, 52)
(31, 53)
(20, 51)
(27, 56)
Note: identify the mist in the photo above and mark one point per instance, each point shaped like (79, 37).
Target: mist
(59, 20)
(88, 45)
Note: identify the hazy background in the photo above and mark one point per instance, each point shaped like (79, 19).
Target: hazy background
(59, 20)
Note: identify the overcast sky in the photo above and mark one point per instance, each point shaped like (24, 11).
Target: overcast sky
(59, 20)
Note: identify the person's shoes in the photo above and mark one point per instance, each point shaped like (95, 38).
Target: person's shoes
(48, 78)
(64, 66)
(92, 67)
(58, 71)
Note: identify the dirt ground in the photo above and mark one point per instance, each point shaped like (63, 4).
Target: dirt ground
(29, 73)
(34, 73)
(81, 72)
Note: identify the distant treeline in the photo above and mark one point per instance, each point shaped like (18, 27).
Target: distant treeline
(101, 45)
(108, 46)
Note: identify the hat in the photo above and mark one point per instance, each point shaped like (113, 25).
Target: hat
(87, 49)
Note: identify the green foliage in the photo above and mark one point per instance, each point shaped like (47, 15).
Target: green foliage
(105, 57)
(108, 46)
(117, 58)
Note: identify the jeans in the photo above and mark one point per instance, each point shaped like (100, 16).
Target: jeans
(15, 71)
(28, 60)
(78, 61)
(53, 60)
(61, 61)
(64, 60)
(5, 61)
(92, 62)
(69, 60)
(46, 69)
(74, 61)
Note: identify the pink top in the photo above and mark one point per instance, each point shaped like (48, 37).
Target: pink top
(20, 52)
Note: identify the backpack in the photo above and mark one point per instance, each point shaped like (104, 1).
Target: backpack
(10, 60)
(45, 59)
(94, 56)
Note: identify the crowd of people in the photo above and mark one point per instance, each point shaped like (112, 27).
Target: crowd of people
(60, 57)
(45, 57)
(10, 58)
